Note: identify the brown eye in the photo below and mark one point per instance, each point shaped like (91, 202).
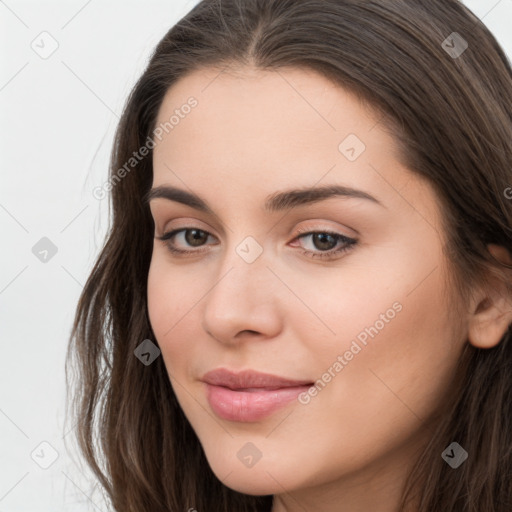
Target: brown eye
(195, 237)
(178, 240)
(324, 241)
(324, 244)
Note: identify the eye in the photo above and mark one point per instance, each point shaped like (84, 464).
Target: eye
(325, 244)
(192, 236)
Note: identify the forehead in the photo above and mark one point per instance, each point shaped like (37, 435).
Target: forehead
(260, 131)
(240, 106)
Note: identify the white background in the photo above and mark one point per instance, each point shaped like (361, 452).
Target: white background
(57, 120)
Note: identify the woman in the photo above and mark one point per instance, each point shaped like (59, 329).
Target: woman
(304, 299)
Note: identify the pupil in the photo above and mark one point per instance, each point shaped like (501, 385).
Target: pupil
(324, 239)
(197, 236)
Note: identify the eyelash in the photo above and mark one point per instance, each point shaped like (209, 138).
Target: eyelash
(349, 243)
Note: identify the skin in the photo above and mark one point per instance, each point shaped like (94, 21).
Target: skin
(255, 133)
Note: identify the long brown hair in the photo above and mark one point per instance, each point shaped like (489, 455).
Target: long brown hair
(452, 118)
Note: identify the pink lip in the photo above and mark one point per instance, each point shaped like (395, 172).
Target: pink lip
(249, 396)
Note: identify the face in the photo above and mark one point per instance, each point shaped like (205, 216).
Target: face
(340, 299)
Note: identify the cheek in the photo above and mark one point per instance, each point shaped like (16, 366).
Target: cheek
(394, 347)
(171, 300)
(394, 359)
(161, 298)
(376, 400)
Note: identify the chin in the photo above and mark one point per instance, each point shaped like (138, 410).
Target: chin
(253, 484)
(258, 480)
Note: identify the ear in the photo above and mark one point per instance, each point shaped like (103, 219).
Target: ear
(491, 313)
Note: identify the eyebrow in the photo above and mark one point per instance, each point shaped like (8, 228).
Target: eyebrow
(279, 201)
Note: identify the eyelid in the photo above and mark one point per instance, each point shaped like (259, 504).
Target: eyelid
(299, 231)
(186, 223)
(310, 230)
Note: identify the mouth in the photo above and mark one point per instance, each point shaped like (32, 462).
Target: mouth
(250, 396)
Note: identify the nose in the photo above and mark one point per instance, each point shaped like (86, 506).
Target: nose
(243, 303)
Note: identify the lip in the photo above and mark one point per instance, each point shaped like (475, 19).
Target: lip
(249, 395)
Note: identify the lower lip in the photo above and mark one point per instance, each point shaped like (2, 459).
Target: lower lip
(249, 406)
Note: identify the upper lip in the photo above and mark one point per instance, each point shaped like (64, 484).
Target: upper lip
(249, 379)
